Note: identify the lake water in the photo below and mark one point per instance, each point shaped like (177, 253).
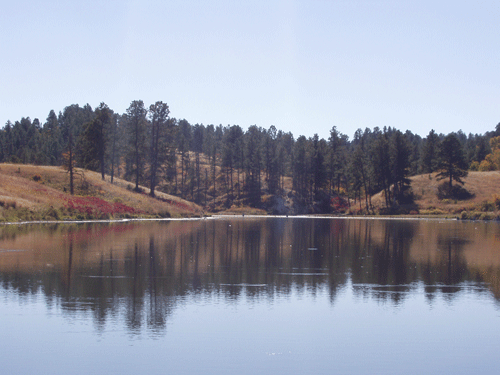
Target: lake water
(251, 296)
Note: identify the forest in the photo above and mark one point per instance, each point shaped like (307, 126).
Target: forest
(219, 167)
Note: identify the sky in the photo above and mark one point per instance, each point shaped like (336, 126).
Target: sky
(302, 66)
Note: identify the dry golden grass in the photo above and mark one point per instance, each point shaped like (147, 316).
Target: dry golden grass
(36, 189)
(484, 186)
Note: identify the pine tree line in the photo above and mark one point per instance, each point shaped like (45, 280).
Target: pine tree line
(214, 165)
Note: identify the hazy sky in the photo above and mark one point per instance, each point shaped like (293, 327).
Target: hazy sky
(303, 66)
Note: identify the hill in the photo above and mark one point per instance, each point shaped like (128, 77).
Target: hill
(484, 189)
(29, 192)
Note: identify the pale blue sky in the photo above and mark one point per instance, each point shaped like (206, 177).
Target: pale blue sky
(303, 66)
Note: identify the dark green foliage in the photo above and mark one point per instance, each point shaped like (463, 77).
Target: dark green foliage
(318, 167)
(271, 158)
(231, 157)
(6, 142)
(301, 168)
(206, 163)
(381, 164)
(337, 159)
(356, 173)
(198, 133)
(21, 142)
(253, 164)
(52, 141)
(480, 150)
(72, 120)
(415, 143)
(161, 138)
(183, 146)
(429, 156)
(400, 150)
(452, 164)
(136, 135)
(94, 139)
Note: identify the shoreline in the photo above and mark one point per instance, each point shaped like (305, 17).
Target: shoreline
(243, 216)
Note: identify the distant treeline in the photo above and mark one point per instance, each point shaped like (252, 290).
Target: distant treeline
(209, 163)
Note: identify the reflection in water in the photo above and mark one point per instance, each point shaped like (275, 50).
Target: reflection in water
(142, 272)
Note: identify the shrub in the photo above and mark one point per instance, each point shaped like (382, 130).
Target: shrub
(474, 166)
(487, 206)
(52, 213)
(164, 214)
(456, 192)
(93, 207)
(432, 211)
(487, 216)
(496, 201)
(473, 215)
(8, 203)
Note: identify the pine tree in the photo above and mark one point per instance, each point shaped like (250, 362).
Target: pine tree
(430, 149)
(253, 163)
(95, 138)
(301, 168)
(160, 137)
(400, 164)
(136, 129)
(52, 139)
(452, 164)
(380, 163)
(183, 147)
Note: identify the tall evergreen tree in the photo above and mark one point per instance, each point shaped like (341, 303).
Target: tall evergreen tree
(253, 163)
(7, 142)
(161, 138)
(381, 164)
(230, 154)
(318, 168)
(117, 124)
(136, 129)
(183, 147)
(481, 149)
(337, 163)
(400, 163)
(52, 139)
(452, 164)
(198, 133)
(359, 164)
(301, 168)
(94, 139)
(429, 155)
(271, 158)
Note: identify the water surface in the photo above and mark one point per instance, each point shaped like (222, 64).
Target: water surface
(251, 295)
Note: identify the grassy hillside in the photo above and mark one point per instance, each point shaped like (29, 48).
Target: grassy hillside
(30, 192)
(484, 188)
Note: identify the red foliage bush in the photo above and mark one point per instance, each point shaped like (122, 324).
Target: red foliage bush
(97, 207)
(338, 204)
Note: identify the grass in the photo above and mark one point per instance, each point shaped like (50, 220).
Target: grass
(29, 192)
(484, 203)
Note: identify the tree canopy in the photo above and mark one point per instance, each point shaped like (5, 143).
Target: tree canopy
(206, 163)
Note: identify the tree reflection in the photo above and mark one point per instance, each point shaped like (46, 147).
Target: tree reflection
(140, 272)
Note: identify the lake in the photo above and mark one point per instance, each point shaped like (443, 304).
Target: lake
(251, 295)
